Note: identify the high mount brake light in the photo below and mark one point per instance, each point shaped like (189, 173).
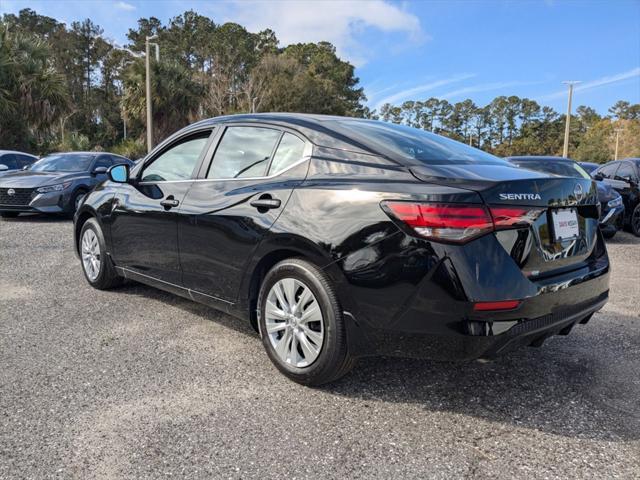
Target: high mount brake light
(457, 223)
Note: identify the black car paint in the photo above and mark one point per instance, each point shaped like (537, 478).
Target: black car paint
(629, 189)
(401, 294)
(57, 202)
(611, 218)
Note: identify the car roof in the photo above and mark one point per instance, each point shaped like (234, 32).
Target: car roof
(534, 158)
(2, 152)
(321, 130)
(86, 153)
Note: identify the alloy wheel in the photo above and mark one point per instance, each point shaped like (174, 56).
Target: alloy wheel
(91, 254)
(294, 322)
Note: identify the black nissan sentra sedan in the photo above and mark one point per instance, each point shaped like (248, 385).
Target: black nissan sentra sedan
(55, 183)
(339, 238)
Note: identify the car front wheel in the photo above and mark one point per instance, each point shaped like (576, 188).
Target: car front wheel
(301, 323)
(97, 267)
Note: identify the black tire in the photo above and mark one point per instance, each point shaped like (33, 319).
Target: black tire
(107, 277)
(609, 234)
(9, 214)
(334, 359)
(635, 221)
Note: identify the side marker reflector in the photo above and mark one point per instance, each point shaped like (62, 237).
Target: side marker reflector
(493, 306)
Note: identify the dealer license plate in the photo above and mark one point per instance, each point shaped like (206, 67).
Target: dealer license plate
(565, 224)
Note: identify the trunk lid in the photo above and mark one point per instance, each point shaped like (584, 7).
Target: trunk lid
(562, 228)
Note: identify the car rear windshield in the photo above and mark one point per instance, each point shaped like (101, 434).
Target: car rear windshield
(414, 144)
(555, 167)
(63, 163)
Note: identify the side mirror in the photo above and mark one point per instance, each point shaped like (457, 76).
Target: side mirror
(3, 167)
(99, 171)
(598, 176)
(119, 173)
(26, 167)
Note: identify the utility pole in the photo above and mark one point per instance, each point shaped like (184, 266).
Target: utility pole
(148, 89)
(565, 149)
(617, 130)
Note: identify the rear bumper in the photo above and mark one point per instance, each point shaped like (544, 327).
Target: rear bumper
(486, 337)
(426, 309)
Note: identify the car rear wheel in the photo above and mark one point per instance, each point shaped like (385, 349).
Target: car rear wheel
(97, 267)
(301, 323)
(635, 221)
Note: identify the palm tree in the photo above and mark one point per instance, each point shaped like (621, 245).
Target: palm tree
(176, 97)
(32, 94)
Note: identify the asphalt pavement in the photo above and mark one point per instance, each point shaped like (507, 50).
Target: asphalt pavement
(137, 383)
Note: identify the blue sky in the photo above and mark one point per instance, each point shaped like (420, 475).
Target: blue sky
(413, 50)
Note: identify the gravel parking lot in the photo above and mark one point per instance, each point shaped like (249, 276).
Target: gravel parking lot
(137, 383)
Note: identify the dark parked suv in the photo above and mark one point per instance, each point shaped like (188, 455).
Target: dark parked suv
(55, 183)
(338, 238)
(624, 176)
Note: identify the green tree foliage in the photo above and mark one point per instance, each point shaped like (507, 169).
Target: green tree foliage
(206, 69)
(32, 94)
(520, 126)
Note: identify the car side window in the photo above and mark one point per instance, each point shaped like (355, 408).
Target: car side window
(178, 161)
(24, 161)
(625, 172)
(103, 161)
(9, 160)
(289, 151)
(121, 160)
(608, 171)
(243, 152)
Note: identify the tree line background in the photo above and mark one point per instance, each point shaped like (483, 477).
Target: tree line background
(66, 87)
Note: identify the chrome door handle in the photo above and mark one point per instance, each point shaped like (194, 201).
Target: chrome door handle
(169, 202)
(265, 203)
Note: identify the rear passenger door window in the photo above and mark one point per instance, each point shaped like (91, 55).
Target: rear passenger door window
(289, 151)
(243, 152)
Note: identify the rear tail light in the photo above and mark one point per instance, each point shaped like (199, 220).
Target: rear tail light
(458, 223)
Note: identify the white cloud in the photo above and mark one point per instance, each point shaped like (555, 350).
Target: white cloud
(125, 6)
(599, 82)
(485, 87)
(420, 89)
(338, 22)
